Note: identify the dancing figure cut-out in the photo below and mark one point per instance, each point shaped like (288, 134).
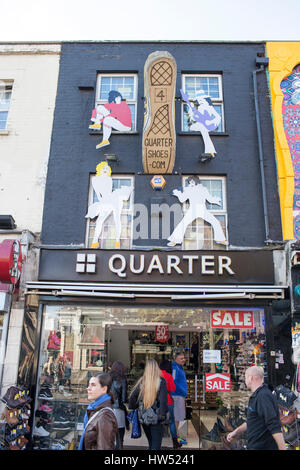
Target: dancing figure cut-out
(197, 194)
(204, 118)
(109, 202)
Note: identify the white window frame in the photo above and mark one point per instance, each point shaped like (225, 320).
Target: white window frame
(6, 83)
(129, 102)
(216, 212)
(128, 211)
(215, 101)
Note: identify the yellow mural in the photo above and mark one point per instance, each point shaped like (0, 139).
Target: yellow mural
(283, 58)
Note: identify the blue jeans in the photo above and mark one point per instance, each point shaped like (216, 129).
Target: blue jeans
(173, 430)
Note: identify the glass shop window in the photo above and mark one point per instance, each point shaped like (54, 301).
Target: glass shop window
(107, 237)
(5, 101)
(125, 84)
(211, 86)
(79, 341)
(201, 233)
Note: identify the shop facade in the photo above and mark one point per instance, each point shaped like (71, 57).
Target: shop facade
(160, 233)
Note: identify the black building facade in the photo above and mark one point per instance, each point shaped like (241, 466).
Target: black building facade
(140, 289)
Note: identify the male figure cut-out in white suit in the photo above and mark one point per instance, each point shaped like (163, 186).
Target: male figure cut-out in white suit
(197, 194)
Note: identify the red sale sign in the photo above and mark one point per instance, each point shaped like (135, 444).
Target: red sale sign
(217, 382)
(237, 319)
(162, 333)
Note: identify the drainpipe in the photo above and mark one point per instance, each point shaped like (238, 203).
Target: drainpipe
(262, 61)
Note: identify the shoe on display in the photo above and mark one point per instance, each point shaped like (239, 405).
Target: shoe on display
(46, 408)
(213, 435)
(61, 420)
(45, 394)
(61, 426)
(57, 446)
(12, 398)
(40, 431)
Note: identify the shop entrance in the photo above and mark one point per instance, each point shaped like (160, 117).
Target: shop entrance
(136, 344)
(79, 341)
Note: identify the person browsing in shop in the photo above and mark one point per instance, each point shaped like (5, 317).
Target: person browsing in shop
(100, 426)
(263, 423)
(180, 393)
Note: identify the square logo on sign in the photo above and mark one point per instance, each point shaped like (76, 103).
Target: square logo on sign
(86, 263)
(217, 382)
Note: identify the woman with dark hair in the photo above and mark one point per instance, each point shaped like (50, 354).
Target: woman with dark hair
(166, 372)
(99, 425)
(119, 390)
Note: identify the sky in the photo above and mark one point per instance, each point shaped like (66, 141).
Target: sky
(184, 20)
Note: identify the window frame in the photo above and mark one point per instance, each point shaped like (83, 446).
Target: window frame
(216, 212)
(134, 101)
(215, 101)
(129, 211)
(7, 83)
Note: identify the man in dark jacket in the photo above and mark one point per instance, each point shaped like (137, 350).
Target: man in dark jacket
(263, 424)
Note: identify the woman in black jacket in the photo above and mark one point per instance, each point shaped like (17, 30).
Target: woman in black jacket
(119, 391)
(149, 395)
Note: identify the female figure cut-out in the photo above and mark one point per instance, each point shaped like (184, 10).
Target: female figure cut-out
(109, 201)
(113, 115)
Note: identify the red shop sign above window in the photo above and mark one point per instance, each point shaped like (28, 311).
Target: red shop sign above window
(10, 261)
(162, 333)
(237, 319)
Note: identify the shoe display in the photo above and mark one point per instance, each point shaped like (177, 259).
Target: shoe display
(46, 408)
(12, 398)
(45, 394)
(40, 431)
(213, 434)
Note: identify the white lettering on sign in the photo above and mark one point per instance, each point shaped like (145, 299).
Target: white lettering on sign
(196, 264)
(232, 319)
(217, 382)
(155, 264)
(119, 271)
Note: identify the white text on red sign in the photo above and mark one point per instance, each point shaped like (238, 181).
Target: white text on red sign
(232, 319)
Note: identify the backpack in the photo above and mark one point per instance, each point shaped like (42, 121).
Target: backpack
(148, 416)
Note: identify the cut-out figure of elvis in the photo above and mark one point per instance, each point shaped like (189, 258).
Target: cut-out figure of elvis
(197, 194)
(204, 118)
(113, 115)
(109, 201)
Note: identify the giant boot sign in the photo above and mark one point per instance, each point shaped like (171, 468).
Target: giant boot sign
(159, 138)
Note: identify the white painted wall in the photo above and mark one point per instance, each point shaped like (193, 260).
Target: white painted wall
(24, 148)
(24, 152)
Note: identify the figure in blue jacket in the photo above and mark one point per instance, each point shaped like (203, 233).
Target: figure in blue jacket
(180, 393)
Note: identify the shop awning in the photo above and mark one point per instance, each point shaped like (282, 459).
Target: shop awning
(171, 291)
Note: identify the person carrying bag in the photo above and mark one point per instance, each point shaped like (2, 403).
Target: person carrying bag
(149, 397)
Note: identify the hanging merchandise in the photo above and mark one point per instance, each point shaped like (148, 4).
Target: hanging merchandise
(14, 430)
(54, 340)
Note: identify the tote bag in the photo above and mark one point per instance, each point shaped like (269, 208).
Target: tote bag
(133, 418)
